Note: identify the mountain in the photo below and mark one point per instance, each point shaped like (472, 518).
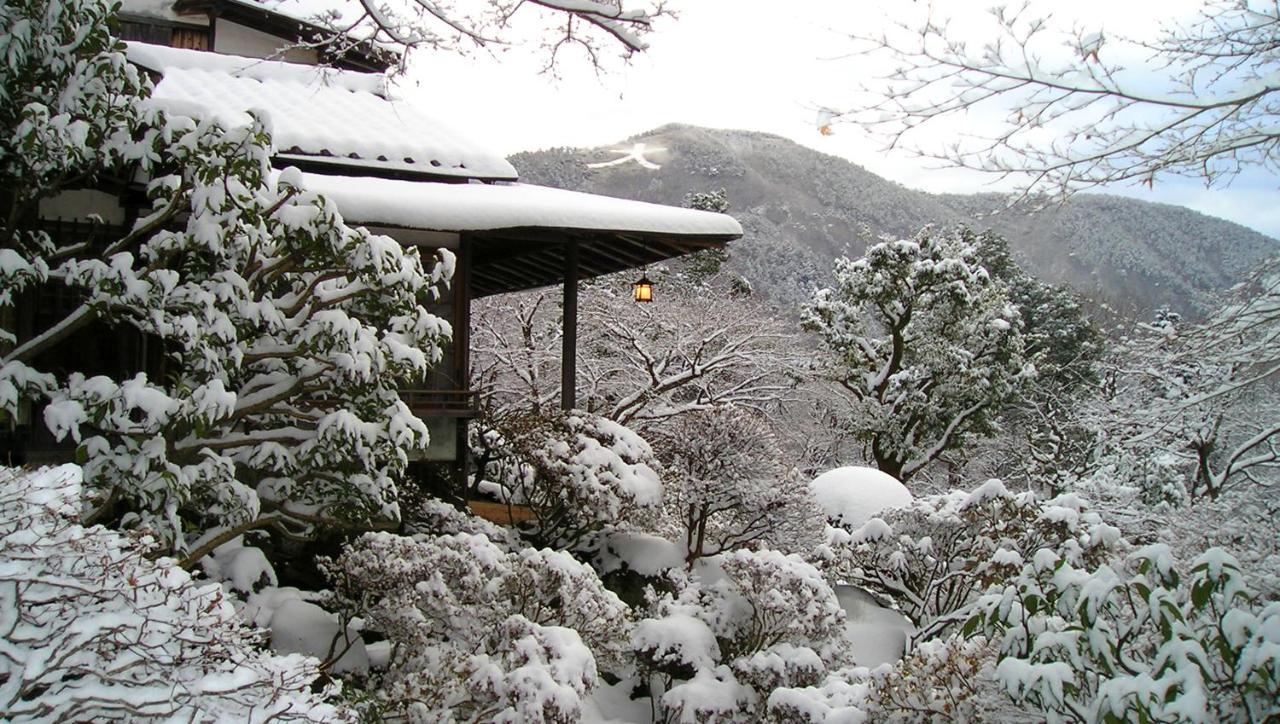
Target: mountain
(801, 208)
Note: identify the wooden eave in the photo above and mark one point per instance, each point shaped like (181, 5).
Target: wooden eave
(330, 165)
(511, 260)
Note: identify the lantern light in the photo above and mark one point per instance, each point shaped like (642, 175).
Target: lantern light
(643, 289)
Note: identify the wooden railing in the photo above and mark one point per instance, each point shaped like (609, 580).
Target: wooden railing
(447, 403)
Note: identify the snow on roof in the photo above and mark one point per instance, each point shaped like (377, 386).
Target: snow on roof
(852, 495)
(480, 207)
(164, 59)
(322, 115)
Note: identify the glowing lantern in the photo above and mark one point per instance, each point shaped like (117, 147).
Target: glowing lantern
(825, 118)
(642, 289)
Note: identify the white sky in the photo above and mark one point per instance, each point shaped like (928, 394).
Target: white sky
(766, 66)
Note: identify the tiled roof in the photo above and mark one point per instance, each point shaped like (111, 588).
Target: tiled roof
(318, 115)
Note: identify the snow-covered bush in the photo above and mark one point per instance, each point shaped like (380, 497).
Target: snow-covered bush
(577, 472)
(725, 486)
(1144, 640)
(286, 333)
(933, 558)
(97, 629)
(946, 680)
(737, 626)
(480, 632)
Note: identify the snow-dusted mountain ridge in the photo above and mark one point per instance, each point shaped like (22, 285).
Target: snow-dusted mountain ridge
(801, 208)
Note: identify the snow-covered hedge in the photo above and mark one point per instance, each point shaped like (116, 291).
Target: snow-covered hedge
(480, 632)
(95, 629)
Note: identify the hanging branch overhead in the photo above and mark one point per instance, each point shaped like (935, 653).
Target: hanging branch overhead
(1066, 110)
(593, 26)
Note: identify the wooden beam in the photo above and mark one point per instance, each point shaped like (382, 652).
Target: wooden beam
(569, 339)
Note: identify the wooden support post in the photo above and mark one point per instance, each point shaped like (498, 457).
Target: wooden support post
(569, 346)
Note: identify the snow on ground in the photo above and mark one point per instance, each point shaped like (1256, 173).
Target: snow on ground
(648, 555)
(298, 627)
(610, 704)
(852, 495)
(877, 635)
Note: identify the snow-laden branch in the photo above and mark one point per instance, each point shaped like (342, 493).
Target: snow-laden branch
(1068, 116)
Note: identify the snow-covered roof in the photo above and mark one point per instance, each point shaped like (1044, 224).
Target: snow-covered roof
(485, 207)
(320, 115)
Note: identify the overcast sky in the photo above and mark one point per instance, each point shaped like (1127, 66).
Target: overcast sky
(767, 66)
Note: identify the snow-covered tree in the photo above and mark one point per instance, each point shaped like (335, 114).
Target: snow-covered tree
(480, 631)
(1048, 438)
(1075, 108)
(702, 345)
(1143, 640)
(932, 559)
(726, 487)
(96, 628)
(1195, 409)
(286, 331)
(576, 472)
(926, 345)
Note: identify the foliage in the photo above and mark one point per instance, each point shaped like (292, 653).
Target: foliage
(1197, 103)
(932, 559)
(1138, 641)
(479, 631)
(702, 266)
(1046, 441)
(97, 629)
(575, 471)
(725, 486)
(286, 332)
(924, 342)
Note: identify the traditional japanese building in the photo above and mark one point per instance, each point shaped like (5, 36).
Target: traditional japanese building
(388, 165)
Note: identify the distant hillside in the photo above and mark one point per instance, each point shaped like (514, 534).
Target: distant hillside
(801, 208)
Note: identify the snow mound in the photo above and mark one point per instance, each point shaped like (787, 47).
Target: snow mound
(876, 635)
(298, 627)
(648, 555)
(852, 495)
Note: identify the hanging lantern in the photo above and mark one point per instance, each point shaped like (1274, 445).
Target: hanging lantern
(643, 289)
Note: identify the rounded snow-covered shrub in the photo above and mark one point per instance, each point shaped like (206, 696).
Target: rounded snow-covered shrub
(576, 471)
(934, 557)
(852, 495)
(480, 631)
(938, 681)
(737, 626)
(97, 630)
